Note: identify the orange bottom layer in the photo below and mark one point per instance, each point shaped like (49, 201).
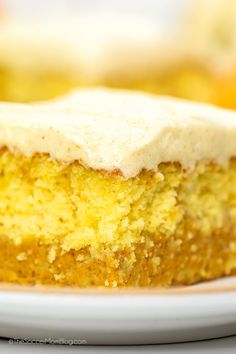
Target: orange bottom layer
(162, 262)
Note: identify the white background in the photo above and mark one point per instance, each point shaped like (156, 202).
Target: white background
(164, 11)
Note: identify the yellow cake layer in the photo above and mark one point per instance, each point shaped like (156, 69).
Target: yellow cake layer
(65, 224)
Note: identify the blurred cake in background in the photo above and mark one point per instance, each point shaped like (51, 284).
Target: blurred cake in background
(194, 58)
(211, 35)
(41, 60)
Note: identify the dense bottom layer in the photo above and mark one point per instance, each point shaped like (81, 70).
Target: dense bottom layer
(159, 261)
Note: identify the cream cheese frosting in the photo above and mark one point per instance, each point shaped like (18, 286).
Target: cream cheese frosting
(120, 130)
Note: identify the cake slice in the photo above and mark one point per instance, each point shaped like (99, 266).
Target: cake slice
(112, 50)
(110, 188)
(210, 31)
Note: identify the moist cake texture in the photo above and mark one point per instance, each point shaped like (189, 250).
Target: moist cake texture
(109, 188)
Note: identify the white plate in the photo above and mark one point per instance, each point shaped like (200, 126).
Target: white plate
(120, 316)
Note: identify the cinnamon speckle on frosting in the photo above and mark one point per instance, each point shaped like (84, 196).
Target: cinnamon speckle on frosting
(116, 130)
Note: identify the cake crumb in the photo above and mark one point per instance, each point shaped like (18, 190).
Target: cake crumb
(232, 246)
(156, 261)
(52, 255)
(178, 242)
(58, 277)
(21, 257)
(190, 236)
(80, 258)
(193, 248)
